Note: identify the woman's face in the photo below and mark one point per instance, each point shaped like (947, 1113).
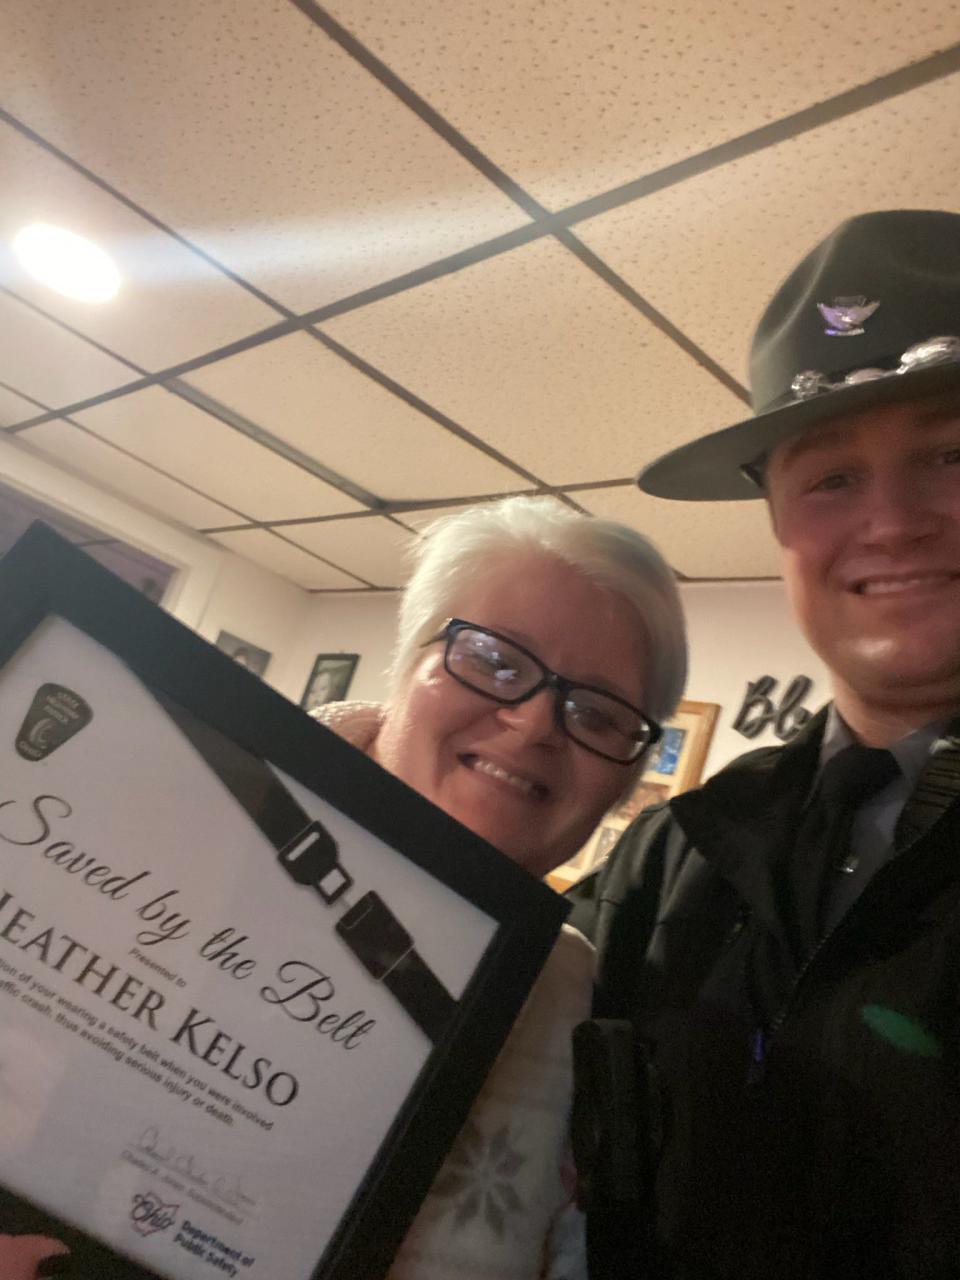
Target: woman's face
(510, 773)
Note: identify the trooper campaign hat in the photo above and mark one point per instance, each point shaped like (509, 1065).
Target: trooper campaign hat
(870, 317)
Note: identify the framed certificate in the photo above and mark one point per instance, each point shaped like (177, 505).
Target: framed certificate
(249, 982)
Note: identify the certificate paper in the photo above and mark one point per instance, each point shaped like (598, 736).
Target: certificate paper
(198, 1069)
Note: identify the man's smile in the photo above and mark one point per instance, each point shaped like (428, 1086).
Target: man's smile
(907, 582)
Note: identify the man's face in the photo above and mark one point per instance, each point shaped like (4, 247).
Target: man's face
(867, 511)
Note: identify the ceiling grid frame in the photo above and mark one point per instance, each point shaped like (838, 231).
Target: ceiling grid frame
(543, 223)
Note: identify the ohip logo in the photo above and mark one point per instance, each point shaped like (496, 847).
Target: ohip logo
(150, 1214)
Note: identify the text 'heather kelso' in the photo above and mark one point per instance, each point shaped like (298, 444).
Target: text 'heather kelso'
(99, 977)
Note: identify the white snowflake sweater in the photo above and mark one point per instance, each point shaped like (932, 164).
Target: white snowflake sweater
(501, 1207)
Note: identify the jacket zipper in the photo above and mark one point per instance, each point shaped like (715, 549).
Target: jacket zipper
(762, 1036)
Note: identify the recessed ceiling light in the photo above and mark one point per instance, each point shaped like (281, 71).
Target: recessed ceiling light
(67, 262)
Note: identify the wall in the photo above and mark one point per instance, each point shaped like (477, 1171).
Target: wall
(198, 560)
(739, 632)
(268, 611)
(213, 589)
(349, 624)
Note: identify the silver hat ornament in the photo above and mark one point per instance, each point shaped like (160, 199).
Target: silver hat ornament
(922, 355)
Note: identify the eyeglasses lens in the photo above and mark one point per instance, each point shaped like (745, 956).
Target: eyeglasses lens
(496, 668)
(604, 725)
(491, 665)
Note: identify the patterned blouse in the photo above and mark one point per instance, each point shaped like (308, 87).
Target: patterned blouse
(501, 1207)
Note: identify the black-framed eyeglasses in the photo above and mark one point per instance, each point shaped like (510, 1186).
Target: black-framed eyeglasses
(498, 668)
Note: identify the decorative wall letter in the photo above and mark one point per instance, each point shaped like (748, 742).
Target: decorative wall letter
(760, 710)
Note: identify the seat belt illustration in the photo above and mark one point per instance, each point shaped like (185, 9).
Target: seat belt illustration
(311, 856)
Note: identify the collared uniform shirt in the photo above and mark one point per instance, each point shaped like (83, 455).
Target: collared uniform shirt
(872, 836)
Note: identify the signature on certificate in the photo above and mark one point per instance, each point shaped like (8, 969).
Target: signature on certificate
(226, 1187)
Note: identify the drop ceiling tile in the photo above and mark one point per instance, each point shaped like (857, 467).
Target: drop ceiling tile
(273, 553)
(228, 467)
(108, 468)
(171, 304)
(374, 549)
(310, 397)
(699, 539)
(252, 133)
(532, 352)
(572, 98)
(420, 520)
(45, 362)
(14, 408)
(710, 252)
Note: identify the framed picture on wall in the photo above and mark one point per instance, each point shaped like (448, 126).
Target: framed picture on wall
(329, 680)
(244, 653)
(147, 572)
(675, 764)
(250, 982)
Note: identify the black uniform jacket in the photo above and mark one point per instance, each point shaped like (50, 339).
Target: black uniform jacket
(805, 1110)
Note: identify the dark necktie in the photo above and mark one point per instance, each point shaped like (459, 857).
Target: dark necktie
(822, 847)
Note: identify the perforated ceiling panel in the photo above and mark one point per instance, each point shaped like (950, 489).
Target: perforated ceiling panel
(381, 260)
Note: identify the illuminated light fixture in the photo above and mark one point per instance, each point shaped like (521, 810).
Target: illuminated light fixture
(66, 262)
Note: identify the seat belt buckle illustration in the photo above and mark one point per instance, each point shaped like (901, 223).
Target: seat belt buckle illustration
(313, 858)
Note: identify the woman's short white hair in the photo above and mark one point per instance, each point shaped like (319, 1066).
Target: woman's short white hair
(461, 548)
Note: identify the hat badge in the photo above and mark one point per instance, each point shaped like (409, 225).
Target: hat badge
(845, 317)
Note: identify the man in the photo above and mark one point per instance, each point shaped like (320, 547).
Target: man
(785, 941)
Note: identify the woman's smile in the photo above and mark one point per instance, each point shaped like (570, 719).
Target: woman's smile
(501, 775)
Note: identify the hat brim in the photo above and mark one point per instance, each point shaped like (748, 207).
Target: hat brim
(708, 469)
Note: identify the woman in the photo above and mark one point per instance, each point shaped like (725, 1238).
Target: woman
(538, 649)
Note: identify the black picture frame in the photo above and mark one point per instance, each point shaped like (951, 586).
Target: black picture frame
(43, 576)
(244, 653)
(332, 671)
